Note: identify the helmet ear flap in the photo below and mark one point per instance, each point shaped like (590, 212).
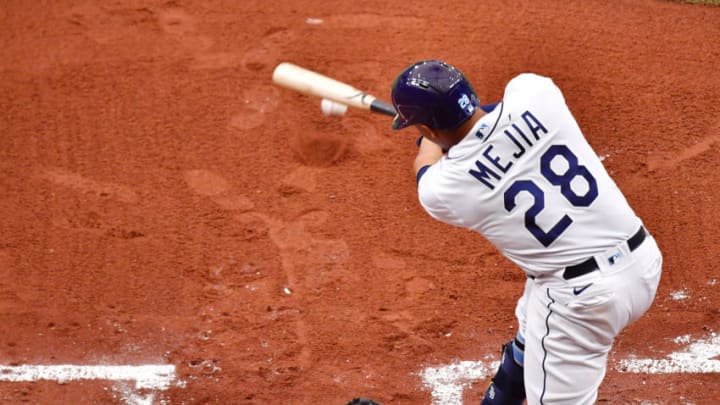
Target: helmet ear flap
(406, 115)
(398, 122)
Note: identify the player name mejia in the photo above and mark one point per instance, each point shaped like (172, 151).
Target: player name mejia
(491, 166)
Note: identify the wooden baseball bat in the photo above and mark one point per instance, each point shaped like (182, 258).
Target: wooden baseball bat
(312, 83)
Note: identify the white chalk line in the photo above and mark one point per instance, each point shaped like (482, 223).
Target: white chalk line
(448, 382)
(157, 377)
(697, 359)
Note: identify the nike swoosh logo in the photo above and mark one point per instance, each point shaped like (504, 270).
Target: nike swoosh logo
(579, 290)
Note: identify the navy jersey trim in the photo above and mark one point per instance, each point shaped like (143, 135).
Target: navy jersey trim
(545, 353)
(421, 172)
(488, 108)
(502, 105)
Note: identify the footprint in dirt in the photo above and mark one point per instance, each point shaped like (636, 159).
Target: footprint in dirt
(215, 187)
(402, 317)
(182, 28)
(267, 53)
(294, 239)
(107, 23)
(307, 262)
(414, 286)
(87, 218)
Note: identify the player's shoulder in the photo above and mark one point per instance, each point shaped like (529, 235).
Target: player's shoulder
(529, 79)
(433, 191)
(428, 187)
(528, 84)
(432, 182)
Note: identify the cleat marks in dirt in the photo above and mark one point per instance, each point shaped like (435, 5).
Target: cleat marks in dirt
(307, 263)
(86, 185)
(97, 202)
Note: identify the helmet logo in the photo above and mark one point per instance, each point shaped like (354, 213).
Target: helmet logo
(465, 105)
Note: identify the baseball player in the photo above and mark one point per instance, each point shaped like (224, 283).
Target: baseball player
(521, 174)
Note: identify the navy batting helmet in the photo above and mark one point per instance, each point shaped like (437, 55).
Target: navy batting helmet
(433, 93)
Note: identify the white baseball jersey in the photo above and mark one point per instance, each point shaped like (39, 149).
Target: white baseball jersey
(528, 181)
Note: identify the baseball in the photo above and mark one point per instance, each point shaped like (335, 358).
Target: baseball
(330, 107)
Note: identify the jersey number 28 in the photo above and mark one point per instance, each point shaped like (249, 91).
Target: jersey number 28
(562, 180)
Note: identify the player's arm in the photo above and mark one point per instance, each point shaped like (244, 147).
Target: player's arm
(428, 154)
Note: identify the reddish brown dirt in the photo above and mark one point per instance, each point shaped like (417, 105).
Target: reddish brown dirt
(164, 203)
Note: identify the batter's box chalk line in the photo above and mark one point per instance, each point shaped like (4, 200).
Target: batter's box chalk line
(448, 382)
(698, 358)
(145, 377)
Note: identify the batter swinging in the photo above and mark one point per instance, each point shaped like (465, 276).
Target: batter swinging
(523, 176)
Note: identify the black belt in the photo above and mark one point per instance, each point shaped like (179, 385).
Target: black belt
(591, 264)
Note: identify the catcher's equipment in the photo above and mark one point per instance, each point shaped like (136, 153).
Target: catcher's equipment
(432, 93)
(508, 385)
(362, 401)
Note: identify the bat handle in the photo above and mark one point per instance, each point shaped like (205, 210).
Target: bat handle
(382, 107)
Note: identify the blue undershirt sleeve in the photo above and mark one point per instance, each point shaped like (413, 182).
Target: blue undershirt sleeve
(488, 107)
(421, 172)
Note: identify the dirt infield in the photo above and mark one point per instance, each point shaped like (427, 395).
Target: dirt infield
(165, 204)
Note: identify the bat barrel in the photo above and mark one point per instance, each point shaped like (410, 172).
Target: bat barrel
(315, 84)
